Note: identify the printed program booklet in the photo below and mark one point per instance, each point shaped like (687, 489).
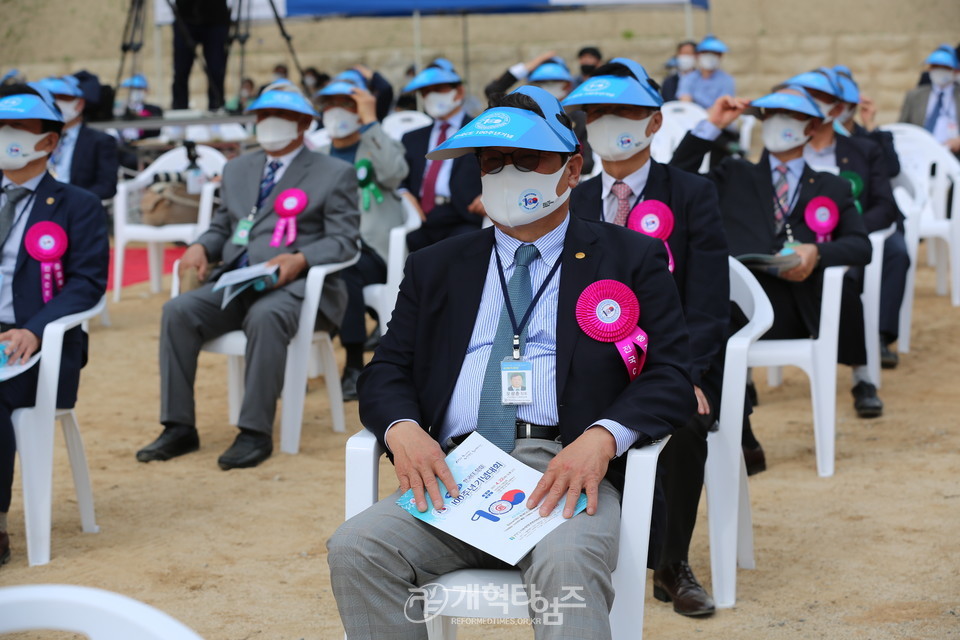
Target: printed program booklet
(491, 512)
(774, 264)
(239, 280)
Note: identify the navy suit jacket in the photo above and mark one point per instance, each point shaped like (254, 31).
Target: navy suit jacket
(699, 249)
(464, 180)
(866, 159)
(95, 162)
(81, 215)
(885, 140)
(415, 368)
(746, 207)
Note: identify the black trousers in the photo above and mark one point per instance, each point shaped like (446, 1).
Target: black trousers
(370, 269)
(213, 39)
(896, 262)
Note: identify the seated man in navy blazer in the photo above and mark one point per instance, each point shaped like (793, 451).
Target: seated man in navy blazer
(447, 192)
(622, 108)
(86, 158)
(37, 214)
(437, 377)
(769, 206)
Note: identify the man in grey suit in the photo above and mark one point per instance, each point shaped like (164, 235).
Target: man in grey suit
(243, 231)
(934, 106)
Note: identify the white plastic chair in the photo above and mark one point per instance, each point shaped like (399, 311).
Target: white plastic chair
(872, 277)
(818, 359)
(629, 580)
(383, 297)
(400, 122)
(33, 428)
(317, 139)
(305, 342)
(98, 614)
(725, 474)
(912, 196)
(747, 123)
(127, 203)
(678, 118)
(915, 145)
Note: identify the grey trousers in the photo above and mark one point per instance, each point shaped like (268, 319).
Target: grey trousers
(269, 321)
(377, 556)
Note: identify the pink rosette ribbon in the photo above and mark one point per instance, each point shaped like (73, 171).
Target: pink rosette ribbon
(288, 204)
(46, 243)
(655, 219)
(608, 311)
(822, 216)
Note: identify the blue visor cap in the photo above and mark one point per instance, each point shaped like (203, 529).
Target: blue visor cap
(818, 80)
(943, 57)
(337, 88)
(62, 86)
(286, 100)
(614, 90)
(27, 106)
(135, 82)
(553, 70)
(803, 104)
(352, 76)
(848, 87)
(711, 44)
(440, 72)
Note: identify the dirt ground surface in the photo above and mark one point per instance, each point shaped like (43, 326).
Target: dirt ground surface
(870, 553)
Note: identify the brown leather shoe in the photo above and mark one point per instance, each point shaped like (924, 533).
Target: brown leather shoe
(754, 459)
(677, 583)
(4, 548)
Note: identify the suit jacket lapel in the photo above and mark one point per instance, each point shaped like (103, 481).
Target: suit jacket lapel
(808, 189)
(575, 275)
(763, 181)
(44, 202)
(658, 183)
(298, 169)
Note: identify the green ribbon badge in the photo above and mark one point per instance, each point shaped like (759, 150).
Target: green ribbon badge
(856, 185)
(368, 184)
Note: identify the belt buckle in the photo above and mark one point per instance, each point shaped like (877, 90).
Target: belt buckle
(528, 430)
(439, 200)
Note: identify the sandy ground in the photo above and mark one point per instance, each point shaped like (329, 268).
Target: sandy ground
(871, 553)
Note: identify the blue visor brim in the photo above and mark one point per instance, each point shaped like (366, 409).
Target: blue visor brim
(787, 102)
(286, 100)
(613, 90)
(503, 127)
(26, 106)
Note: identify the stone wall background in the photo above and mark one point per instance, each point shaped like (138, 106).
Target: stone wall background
(882, 41)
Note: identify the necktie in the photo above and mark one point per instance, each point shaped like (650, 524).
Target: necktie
(781, 197)
(623, 193)
(429, 198)
(9, 209)
(931, 122)
(269, 179)
(497, 422)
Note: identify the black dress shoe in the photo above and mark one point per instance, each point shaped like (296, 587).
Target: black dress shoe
(373, 340)
(677, 583)
(176, 440)
(348, 383)
(248, 450)
(4, 548)
(754, 460)
(889, 359)
(752, 394)
(865, 400)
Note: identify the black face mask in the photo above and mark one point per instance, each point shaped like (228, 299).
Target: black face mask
(587, 69)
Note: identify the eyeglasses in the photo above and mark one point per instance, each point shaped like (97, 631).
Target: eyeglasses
(493, 161)
(633, 112)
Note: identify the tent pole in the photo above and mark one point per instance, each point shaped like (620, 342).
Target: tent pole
(688, 18)
(417, 41)
(466, 51)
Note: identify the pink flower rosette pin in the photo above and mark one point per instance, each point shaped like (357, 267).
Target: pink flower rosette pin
(822, 216)
(46, 243)
(608, 311)
(655, 219)
(288, 204)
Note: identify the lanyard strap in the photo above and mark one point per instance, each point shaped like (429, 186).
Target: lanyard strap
(518, 328)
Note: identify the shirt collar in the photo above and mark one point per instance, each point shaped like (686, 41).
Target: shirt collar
(637, 180)
(550, 245)
(455, 121)
(285, 159)
(794, 167)
(30, 184)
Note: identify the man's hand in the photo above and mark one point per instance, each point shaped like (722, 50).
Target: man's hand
(419, 461)
(476, 207)
(809, 256)
(578, 467)
(365, 71)
(291, 266)
(868, 113)
(195, 257)
(953, 144)
(409, 197)
(21, 344)
(539, 60)
(703, 405)
(366, 105)
(725, 110)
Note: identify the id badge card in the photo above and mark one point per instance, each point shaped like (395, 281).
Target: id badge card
(516, 381)
(790, 245)
(241, 237)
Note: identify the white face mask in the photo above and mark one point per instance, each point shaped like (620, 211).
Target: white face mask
(941, 77)
(825, 108)
(439, 105)
(615, 138)
(782, 133)
(18, 147)
(137, 96)
(69, 108)
(275, 133)
(514, 198)
(846, 115)
(686, 62)
(339, 122)
(708, 61)
(558, 88)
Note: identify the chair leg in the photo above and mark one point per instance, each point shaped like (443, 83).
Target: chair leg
(294, 392)
(331, 375)
(823, 390)
(315, 365)
(235, 369)
(441, 628)
(81, 472)
(119, 252)
(745, 557)
(942, 264)
(105, 317)
(774, 376)
(35, 447)
(722, 479)
(906, 308)
(954, 247)
(155, 264)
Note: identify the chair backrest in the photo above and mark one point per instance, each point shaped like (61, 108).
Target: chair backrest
(318, 139)
(400, 122)
(747, 294)
(99, 614)
(920, 152)
(747, 123)
(210, 160)
(678, 119)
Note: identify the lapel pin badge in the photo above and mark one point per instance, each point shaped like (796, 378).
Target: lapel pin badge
(50, 200)
(579, 255)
